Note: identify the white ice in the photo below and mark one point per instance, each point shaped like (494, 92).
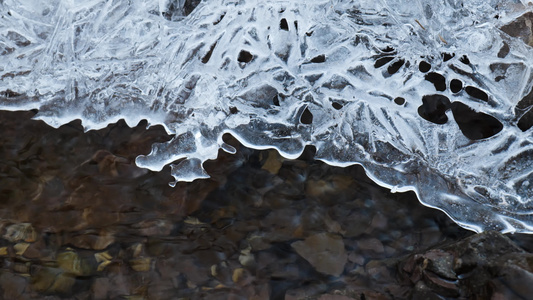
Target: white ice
(252, 68)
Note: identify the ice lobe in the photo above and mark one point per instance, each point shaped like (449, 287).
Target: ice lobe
(429, 96)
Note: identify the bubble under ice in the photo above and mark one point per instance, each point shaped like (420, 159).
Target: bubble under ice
(426, 95)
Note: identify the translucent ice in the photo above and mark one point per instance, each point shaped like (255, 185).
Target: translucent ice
(428, 95)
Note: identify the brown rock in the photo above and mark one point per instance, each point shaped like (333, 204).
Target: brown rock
(22, 268)
(155, 227)
(238, 275)
(441, 263)
(100, 288)
(105, 238)
(323, 251)
(71, 262)
(84, 241)
(371, 244)
(521, 28)
(13, 286)
(20, 248)
(382, 270)
(356, 258)
(334, 297)
(515, 272)
(20, 232)
(379, 221)
(116, 284)
(63, 284)
(102, 259)
(45, 277)
(273, 162)
(141, 264)
(36, 250)
(281, 225)
(476, 265)
(443, 286)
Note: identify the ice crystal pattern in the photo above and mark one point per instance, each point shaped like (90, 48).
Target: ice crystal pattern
(426, 95)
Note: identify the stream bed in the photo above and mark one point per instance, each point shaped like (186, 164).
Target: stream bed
(78, 220)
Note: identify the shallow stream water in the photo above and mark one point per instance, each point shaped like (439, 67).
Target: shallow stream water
(78, 220)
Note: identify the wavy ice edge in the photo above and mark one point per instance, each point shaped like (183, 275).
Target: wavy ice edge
(429, 96)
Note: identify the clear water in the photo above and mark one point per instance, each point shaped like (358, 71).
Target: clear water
(78, 220)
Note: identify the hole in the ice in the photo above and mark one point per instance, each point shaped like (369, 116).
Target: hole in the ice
(229, 139)
(424, 67)
(475, 125)
(526, 121)
(464, 59)
(18, 39)
(233, 110)
(276, 99)
(477, 93)
(245, 56)
(526, 102)
(283, 25)
(394, 67)
(504, 50)
(447, 56)
(309, 33)
(167, 15)
(388, 49)
(456, 85)
(307, 117)
(207, 56)
(6, 50)
(434, 108)
(296, 25)
(313, 78)
(308, 154)
(174, 9)
(337, 105)
(9, 94)
(319, 59)
(219, 19)
(189, 6)
(383, 61)
(438, 81)
(399, 100)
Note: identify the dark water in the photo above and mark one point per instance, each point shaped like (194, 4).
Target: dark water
(78, 220)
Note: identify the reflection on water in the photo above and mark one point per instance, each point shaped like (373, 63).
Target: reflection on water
(79, 220)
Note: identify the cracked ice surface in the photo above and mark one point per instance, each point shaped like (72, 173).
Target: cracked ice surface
(427, 95)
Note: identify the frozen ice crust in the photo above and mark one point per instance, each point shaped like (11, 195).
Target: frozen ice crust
(429, 96)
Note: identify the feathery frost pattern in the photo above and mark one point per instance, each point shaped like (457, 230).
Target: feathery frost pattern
(426, 95)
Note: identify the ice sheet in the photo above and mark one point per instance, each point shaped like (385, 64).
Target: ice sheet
(427, 95)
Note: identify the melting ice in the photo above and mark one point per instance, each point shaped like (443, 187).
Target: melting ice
(426, 95)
